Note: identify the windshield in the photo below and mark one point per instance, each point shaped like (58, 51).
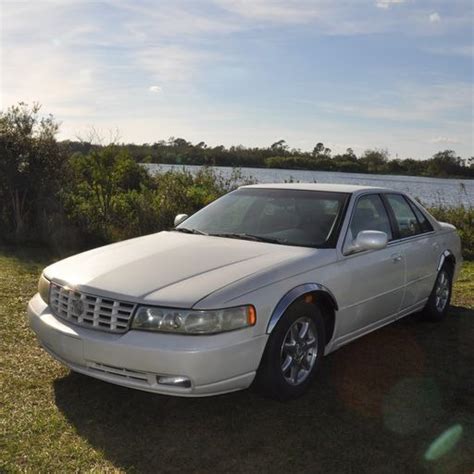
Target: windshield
(284, 216)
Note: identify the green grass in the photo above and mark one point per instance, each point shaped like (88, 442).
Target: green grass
(378, 405)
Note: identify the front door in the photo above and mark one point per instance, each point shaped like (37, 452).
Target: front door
(374, 280)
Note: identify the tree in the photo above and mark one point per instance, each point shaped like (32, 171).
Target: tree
(350, 153)
(30, 167)
(445, 163)
(279, 146)
(99, 182)
(181, 143)
(374, 161)
(318, 149)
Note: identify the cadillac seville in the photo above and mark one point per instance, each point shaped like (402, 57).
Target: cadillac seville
(254, 289)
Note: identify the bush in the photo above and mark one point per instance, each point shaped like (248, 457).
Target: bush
(463, 218)
(182, 192)
(110, 197)
(97, 189)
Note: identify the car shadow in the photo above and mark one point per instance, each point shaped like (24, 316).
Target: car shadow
(377, 406)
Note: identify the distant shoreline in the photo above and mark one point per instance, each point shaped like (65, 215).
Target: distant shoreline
(180, 152)
(365, 173)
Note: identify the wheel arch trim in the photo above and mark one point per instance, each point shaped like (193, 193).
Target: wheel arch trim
(292, 296)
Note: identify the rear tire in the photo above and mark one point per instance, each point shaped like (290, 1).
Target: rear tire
(293, 353)
(437, 306)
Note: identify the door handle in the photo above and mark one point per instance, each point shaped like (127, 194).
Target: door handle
(396, 257)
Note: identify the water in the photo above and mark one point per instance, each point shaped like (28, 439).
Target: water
(431, 191)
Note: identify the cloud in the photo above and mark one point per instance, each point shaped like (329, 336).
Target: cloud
(454, 50)
(408, 102)
(434, 17)
(276, 11)
(385, 4)
(88, 61)
(146, 21)
(172, 64)
(445, 140)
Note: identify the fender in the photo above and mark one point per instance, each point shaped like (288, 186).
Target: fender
(293, 295)
(443, 257)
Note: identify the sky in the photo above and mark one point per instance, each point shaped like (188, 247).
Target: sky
(388, 74)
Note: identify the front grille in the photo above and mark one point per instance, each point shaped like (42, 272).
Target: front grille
(94, 312)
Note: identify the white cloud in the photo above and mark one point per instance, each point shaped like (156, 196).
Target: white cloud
(277, 11)
(435, 17)
(460, 50)
(55, 79)
(88, 61)
(409, 102)
(172, 63)
(445, 140)
(147, 21)
(385, 4)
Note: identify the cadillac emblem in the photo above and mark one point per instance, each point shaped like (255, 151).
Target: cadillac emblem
(77, 306)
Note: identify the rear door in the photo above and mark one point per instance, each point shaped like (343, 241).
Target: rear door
(414, 239)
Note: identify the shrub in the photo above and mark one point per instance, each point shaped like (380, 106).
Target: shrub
(110, 197)
(182, 192)
(96, 190)
(463, 218)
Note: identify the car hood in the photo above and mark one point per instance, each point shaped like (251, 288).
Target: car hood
(171, 268)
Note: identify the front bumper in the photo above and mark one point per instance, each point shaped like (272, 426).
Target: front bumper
(214, 364)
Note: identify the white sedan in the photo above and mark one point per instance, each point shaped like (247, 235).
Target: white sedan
(256, 288)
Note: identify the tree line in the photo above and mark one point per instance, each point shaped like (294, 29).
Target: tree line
(443, 164)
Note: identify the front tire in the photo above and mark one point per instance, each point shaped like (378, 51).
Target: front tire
(437, 305)
(293, 353)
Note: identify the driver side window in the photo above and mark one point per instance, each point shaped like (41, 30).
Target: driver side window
(370, 214)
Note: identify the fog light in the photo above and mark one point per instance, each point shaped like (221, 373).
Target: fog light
(182, 382)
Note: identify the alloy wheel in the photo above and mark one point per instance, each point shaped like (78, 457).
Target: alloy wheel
(442, 291)
(299, 351)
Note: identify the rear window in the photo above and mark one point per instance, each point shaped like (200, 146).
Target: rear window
(422, 219)
(405, 217)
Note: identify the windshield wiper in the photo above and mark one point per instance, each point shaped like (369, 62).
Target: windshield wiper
(245, 236)
(185, 230)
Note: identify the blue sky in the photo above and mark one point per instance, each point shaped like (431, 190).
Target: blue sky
(394, 74)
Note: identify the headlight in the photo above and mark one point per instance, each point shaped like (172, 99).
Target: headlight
(193, 322)
(43, 288)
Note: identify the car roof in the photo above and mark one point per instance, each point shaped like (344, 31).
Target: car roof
(327, 187)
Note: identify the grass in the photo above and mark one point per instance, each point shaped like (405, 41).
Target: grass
(378, 405)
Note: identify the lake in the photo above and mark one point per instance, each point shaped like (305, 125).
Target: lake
(431, 191)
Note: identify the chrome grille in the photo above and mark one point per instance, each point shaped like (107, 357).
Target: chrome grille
(94, 312)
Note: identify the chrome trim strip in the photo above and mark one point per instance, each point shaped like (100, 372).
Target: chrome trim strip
(290, 297)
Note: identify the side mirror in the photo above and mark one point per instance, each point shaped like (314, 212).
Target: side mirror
(180, 218)
(368, 240)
